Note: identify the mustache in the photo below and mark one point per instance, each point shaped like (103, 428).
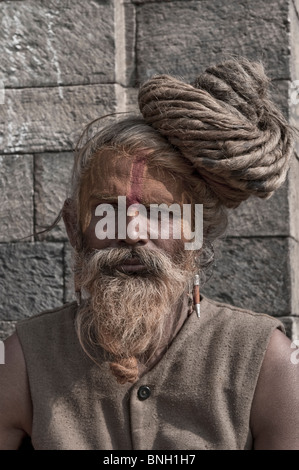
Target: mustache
(108, 260)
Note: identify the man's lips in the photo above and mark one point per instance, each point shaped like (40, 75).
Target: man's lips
(131, 265)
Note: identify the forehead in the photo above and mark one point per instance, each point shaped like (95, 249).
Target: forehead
(113, 174)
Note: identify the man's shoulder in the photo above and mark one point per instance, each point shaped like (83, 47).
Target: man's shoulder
(48, 324)
(51, 333)
(225, 311)
(67, 310)
(240, 327)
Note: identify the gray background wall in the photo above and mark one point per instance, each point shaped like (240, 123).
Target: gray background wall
(64, 63)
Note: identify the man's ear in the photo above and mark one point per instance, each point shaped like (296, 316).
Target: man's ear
(70, 218)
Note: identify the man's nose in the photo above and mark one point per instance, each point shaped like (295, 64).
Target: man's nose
(135, 233)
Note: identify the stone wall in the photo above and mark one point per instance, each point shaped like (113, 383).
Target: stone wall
(64, 63)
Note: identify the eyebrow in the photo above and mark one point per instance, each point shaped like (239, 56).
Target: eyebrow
(114, 200)
(103, 197)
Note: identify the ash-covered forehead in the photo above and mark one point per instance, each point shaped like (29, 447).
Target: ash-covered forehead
(113, 174)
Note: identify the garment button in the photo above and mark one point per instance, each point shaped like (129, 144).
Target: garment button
(143, 392)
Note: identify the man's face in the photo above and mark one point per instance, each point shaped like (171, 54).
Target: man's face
(113, 175)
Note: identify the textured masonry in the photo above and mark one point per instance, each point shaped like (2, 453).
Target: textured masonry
(64, 63)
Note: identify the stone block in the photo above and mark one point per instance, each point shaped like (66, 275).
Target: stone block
(183, 38)
(279, 92)
(57, 42)
(52, 186)
(31, 279)
(138, 2)
(261, 217)
(252, 273)
(7, 328)
(51, 119)
(16, 197)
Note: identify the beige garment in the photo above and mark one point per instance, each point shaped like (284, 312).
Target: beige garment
(201, 390)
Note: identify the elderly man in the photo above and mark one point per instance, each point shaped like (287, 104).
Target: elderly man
(141, 360)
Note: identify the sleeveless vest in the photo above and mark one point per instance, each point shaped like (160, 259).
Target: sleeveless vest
(198, 396)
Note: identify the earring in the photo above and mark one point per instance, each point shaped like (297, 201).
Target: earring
(196, 295)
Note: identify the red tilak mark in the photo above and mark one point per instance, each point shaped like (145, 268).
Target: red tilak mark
(135, 194)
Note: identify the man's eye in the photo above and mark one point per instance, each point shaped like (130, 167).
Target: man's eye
(106, 209)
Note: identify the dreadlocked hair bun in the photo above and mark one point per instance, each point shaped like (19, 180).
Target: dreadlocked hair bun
(226, 125)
